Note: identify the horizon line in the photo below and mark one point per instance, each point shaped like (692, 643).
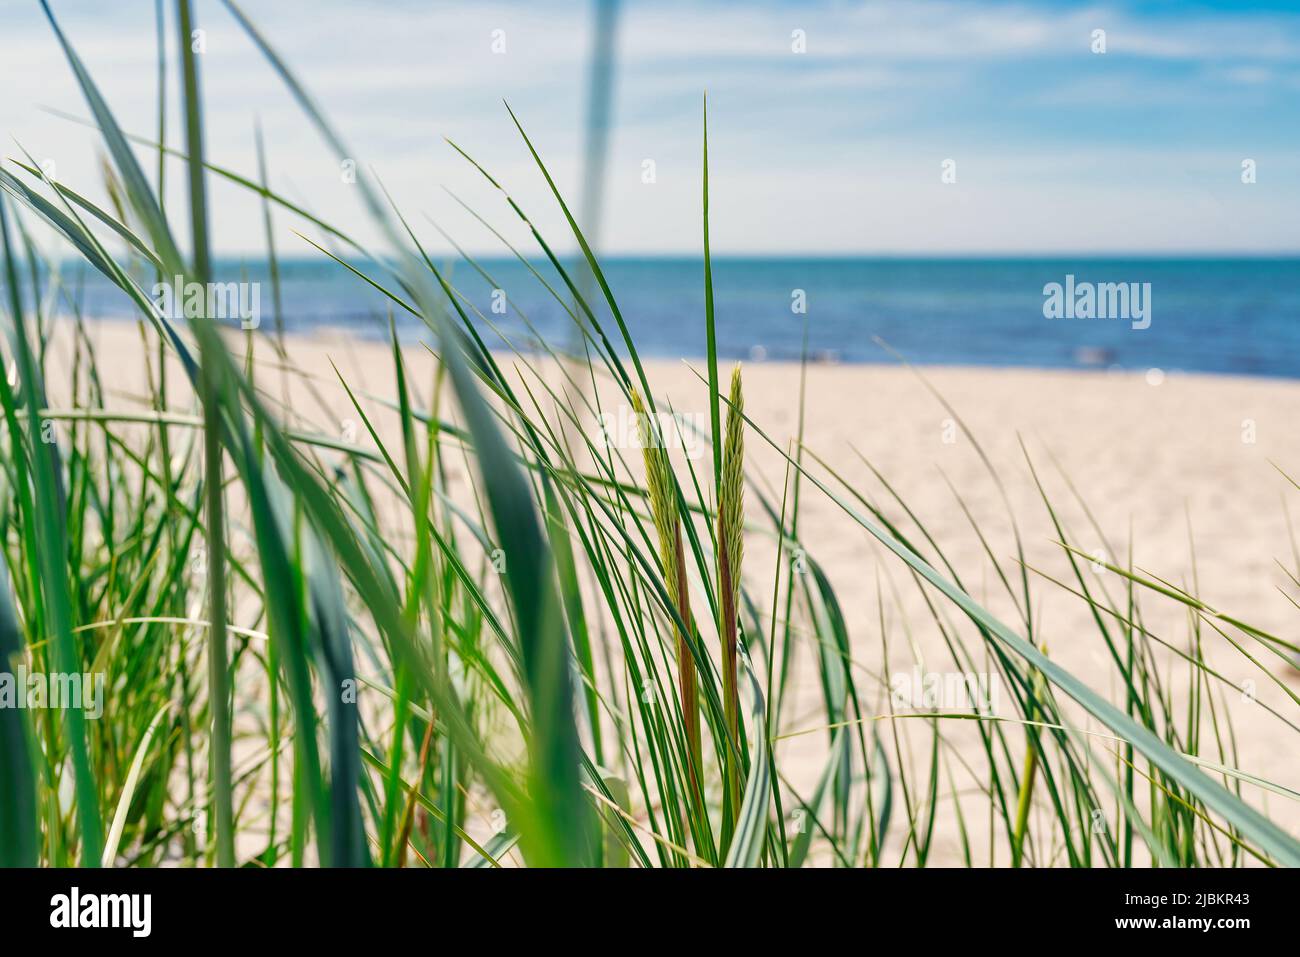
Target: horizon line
(677, 256)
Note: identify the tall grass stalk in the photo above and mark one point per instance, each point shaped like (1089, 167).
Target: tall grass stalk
(213, 458)
(731, 548)
(661, 486)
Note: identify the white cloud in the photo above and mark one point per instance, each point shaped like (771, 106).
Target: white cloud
(835, 150)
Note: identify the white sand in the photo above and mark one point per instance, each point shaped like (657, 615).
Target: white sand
(1146, 457)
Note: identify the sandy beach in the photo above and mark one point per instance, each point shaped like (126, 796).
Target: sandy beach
(1163, 463)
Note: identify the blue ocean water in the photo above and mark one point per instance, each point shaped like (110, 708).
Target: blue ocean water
(1238, 315)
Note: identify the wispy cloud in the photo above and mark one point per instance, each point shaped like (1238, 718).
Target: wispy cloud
(835, 149)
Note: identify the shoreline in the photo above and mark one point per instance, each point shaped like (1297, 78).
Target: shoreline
(327, 333)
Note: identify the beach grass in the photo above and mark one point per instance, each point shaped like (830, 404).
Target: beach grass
(325, 650)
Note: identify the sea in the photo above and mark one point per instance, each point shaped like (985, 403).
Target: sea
(1236, 316)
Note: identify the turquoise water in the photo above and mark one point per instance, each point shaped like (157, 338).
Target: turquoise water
(1239, 316)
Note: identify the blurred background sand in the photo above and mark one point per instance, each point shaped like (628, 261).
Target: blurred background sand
(1170, 467)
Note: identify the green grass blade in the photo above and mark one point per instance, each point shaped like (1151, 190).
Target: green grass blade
(19, 831)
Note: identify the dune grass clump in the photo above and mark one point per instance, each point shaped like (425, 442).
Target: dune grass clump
(461, 633)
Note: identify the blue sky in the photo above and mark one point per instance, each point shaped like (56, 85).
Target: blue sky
(835, 150)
